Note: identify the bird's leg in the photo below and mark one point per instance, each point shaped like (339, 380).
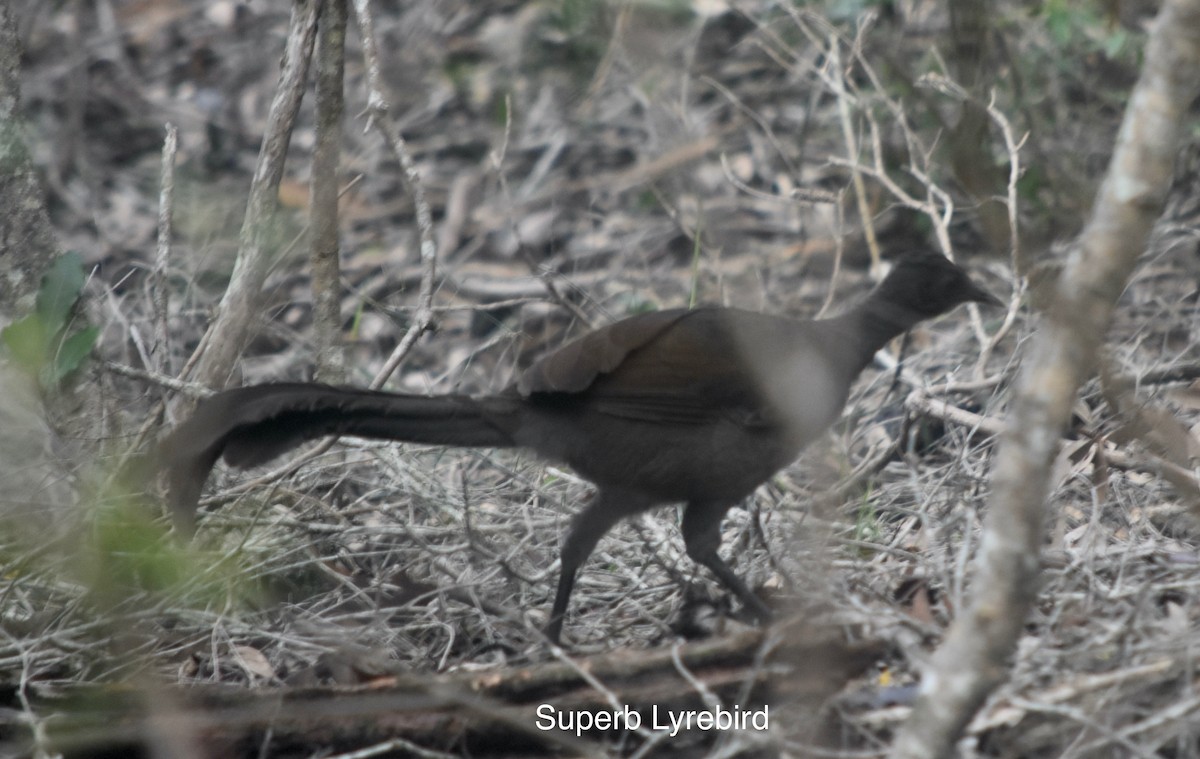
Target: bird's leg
(591, 524)
(702, 536)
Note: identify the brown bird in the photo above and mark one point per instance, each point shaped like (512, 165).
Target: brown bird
(700, 406)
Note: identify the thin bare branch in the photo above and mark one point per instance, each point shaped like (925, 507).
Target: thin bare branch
(226, 337)
(377, 116)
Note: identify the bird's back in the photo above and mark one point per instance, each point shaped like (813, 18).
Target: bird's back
(709, 407)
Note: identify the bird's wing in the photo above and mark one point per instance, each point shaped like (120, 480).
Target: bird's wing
(575, 366)
(677, 367)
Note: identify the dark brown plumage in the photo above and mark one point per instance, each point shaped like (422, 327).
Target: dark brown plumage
(699, 406)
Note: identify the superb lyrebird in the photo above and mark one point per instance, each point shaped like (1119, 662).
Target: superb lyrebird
(698, 406)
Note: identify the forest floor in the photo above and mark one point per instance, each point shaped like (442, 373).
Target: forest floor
(615, 159)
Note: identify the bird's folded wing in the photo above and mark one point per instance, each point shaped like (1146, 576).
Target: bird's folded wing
(658, 408)
(575, 366)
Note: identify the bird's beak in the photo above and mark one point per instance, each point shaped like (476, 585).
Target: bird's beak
(977, 294)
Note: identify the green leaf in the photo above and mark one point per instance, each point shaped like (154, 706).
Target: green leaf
(60, 290)
(1031, 182)
(73, 352)
(1059, 21)
(1115, 43)
(26, 341)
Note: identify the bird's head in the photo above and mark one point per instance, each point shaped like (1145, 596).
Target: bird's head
(929, 285)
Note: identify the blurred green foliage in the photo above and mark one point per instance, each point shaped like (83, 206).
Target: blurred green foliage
(50, 343)
(1089, 27)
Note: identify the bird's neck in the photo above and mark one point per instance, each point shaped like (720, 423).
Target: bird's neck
(869, 326)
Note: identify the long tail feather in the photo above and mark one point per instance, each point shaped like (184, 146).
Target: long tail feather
(249, 426)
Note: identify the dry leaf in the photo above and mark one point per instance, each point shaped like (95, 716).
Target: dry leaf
(253, 662)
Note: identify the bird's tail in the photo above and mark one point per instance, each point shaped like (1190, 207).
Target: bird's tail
(249, 426)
